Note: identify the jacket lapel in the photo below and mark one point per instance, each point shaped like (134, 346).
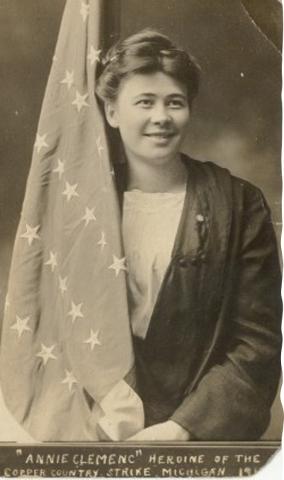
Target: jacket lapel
(193, 281)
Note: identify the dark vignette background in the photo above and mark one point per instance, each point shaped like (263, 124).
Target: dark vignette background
(236, 120)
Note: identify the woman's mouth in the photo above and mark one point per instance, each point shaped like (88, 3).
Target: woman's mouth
(160, 135)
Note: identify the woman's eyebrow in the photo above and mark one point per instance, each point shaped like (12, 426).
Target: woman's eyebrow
(150, 94)
(177, 95)
(145, 94)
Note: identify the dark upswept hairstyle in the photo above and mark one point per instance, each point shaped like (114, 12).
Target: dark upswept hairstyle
(147, 51)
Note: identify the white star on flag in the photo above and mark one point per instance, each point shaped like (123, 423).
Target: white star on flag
(52, 261)
(94, 55)
(84, 11)
(7, 304)
(69, 379)
(46, 353)
(59, 169)
(21, 325)
(68, 79)
(102, 242)
(99, 145)
(62, 284)
(70, 191)
(40, 142)
(93, 339)
(89, 215)
(31, 234)
(80, 101)
(75, 311)
(118, 265)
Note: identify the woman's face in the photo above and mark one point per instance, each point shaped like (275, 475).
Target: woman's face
(151, 112)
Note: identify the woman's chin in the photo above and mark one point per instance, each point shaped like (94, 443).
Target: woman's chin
(160, 160)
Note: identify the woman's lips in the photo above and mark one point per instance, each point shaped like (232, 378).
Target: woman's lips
(160, 139)
(160, 134)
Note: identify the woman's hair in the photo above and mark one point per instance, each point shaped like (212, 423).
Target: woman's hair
(147, 51)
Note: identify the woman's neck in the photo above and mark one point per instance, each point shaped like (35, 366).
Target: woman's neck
(169, 177)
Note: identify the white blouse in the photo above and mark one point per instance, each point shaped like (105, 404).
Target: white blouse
(149, 226)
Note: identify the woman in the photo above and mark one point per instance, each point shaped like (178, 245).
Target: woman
(203, 273)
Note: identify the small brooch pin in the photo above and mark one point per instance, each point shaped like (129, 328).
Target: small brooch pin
(202, 225)
(200, 218)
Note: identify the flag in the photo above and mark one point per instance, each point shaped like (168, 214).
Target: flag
(67, 362)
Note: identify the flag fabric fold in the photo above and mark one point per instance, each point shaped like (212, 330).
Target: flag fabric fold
(66, 352)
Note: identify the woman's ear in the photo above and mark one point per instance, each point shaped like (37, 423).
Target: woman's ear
(111, 114)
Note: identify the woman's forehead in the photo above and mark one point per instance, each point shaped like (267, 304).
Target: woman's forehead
(152, 84)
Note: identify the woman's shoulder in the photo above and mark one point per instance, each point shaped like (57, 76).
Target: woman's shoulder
(222, 178)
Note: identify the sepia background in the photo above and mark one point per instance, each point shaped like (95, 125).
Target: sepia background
(235, 121)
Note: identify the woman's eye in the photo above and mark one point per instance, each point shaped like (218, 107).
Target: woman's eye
(145, 102)
(176, 104)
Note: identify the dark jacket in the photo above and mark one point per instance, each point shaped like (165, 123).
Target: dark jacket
(211, 357)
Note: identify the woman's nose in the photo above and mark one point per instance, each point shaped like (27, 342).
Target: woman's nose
(160, 114)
